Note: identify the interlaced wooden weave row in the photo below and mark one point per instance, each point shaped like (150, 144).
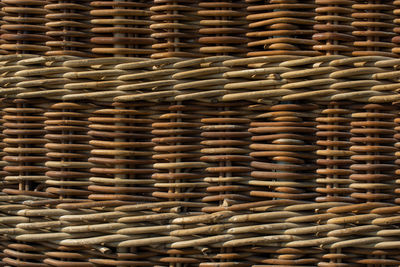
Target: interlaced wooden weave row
(180, 133)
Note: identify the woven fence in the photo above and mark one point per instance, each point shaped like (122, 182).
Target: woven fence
(180, 133)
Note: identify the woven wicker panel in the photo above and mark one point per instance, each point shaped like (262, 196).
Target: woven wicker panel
(334, 155)
(9, 81)
(25, 146)
(93, 78)
(283, 145)
(70, 28)
(177, 131)
(25, 25)
(290, 195)
(199, 133)
(122, 28)
(2, 246)
(374, 27)
(3, 163)
(42, 77)
(2, 31)
(226, 150)
(281, 27)
(276, 256)
(66, 256)
(223, 27)
(373, 144)
(121, 139)
(176, 28)
(396, 29)
(334, 30)
(151, 80)
(24, 254)
(135, 258)
(68, 145)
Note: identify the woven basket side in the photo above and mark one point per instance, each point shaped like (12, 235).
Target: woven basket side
(373, 27)
(70, 28)
(281, 28)
(176, 25)
(122, 28)
(25, 26)
(333, 26)
(223, 28)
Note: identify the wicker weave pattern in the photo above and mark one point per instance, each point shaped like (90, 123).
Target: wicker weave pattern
(199, 133)
(69, 27)
(122, 28)
(222, 170)
(24, 22)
